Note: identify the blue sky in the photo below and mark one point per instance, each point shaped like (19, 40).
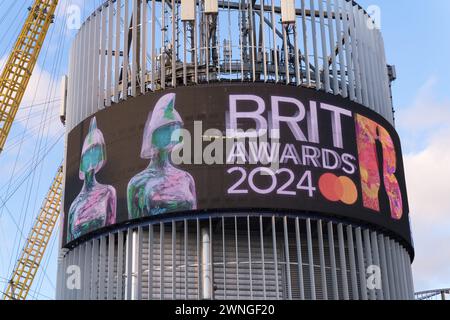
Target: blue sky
(417, 42)
(416, 35)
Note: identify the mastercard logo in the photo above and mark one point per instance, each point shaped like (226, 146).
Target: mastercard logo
(335, 188)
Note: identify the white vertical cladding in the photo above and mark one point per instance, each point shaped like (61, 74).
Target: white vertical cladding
(332, 48)
(275, 254)
(374, 66)
(299, 259)
(102, 274)
(305, 44)
(120, 266)
(95, 66)
(358, 14)
(362, 31)
(261, 237)
(391, 271)
(310, 260)
(398, 273)
(388, 104)
(159, 262)
(377, 66)
(401, 274)
(252, 41)
(117, 50)
(368, 260)
(352, 261)
(334, 280)
(151, 263)
(77, 81)
(128, 263)
(297, 64)
(263, 42)
(377, 262)
(61, 285)
(198, 252)
(361, 265)
(137, 263)
(384, 268)
(405, 263)
(402, 271)
(343, 262)
(355, 53)
(173, 58)
(109, 64)
(249, 255)
(325, 67)
(339, 38)
(65, 290)
(83, 89)
(392, 253)
(338, 52)
(111, 274)
(94, 271)
(372, 62)
(206, 266)
(86, 83)
(286, 254)
(153, 45)
(74, 262)
(103, 49)
(348, 49)
(87, 270)
(323, 276)
(59, 278)
(126, 49)
(143, 40)
(83, 274)
(70, 88)
(135, 54)
(274, 41)
(286, 65)
(89, 66)
(410, 276)
(315, 49)
(80, 105)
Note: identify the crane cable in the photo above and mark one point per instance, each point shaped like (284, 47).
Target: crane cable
(35, 159)
(30, 185)
(22, 218)
(56, 70)
(39, 146)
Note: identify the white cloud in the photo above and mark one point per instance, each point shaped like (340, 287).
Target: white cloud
(34, 127)
(428, 182)
(427, 111)
(40, 104)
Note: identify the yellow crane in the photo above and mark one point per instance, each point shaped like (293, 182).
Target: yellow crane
(13, 83)
(20, 64)
(36, 244)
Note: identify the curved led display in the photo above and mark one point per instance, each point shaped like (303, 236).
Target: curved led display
(234, 147)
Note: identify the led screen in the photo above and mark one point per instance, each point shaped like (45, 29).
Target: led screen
(234, 148)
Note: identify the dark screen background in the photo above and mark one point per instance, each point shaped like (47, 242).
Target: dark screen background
(122, 126)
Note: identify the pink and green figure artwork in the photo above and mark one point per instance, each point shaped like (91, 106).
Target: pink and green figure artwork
(95, 205)
(161, 187)
(367, 133)
(389, 169)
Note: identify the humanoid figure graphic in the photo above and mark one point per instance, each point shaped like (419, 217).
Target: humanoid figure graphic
(161, 187)
(95, 205)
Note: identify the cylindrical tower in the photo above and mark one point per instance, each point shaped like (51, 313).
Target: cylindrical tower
(232, 150)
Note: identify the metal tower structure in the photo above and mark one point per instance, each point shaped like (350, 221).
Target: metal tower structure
(20, 64)
(440, 294)
(128, 51)
(36, 244)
